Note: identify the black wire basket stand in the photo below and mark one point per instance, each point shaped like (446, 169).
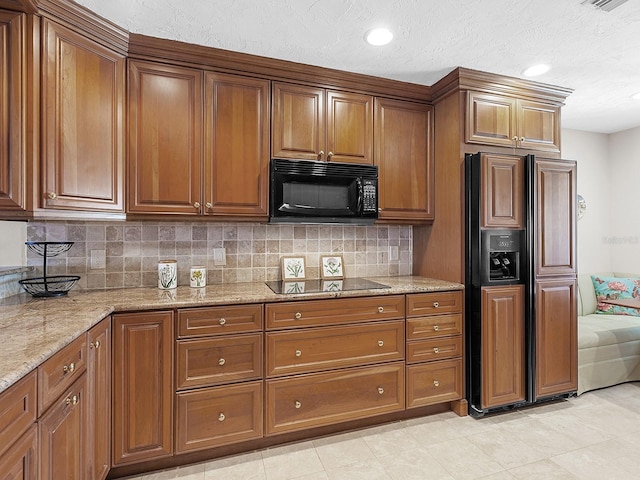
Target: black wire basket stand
(49, 285)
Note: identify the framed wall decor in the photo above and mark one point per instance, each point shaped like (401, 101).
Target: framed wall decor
(292, 268)
(331, 266)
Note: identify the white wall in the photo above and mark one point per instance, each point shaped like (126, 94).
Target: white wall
(591, 152)
(624, 205)
(12, 249)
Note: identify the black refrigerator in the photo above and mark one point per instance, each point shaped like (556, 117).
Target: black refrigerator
(520, 281)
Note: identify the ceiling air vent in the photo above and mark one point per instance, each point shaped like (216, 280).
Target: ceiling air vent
(606, 5)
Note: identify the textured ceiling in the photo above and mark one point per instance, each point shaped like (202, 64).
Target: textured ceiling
(594, 52)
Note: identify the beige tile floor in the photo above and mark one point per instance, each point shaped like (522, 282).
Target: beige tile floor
(594, 436)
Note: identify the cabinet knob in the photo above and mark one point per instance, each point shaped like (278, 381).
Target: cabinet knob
(329, 155)
(320, 154)
(298, 404)
(380, 309)
(436, 304)
(436, 383)
(380, 343)
(222, 321)
(95, 344)
(71, 400)
(209, 205)
(222, 361)
(522, 139)
(436, 328)
(380, 390)
(298, 353)
(196, 205)
(298, 315)
(514, 138)
(436, 350)
(221, 417)
(69, 368)
(52, 195)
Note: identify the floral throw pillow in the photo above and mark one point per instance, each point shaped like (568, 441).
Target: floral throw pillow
(614, 288)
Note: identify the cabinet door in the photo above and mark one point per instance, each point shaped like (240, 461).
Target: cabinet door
(502, 191)
(349, 127)
(82, 119)
(556, 337)
(403, 144)
(538, 126)
(19, 462)
(491, 120)
(12, 125)
(555, 217)
(298, 122)
(165, 139)
(143, 387)
(99, 400)
(236, 146)
(62, 435)
(503, 345)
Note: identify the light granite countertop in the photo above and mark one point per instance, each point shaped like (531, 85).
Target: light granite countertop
(33, 329)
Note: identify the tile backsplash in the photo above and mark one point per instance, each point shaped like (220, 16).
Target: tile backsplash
(253, 251)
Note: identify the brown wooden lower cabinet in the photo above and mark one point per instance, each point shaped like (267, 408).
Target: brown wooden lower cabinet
(306, 401)
(217, 416)
(434, 382)
(62, 435)
(142, 386)
(19, 462)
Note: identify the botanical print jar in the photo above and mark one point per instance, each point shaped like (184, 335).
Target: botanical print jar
(167, 274)
(198, 276)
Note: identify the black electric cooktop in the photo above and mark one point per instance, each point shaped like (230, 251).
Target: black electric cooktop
(327, 285)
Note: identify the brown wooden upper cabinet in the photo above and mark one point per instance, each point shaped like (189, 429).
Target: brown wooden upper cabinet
(82, 122)
(502, 191)
(12, 125)
(512, 122)
(312, 123)
(186, 159)
(403, 154)
(555, 212)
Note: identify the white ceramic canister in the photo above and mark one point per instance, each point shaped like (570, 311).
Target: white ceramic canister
(198, 276)
(167, 274)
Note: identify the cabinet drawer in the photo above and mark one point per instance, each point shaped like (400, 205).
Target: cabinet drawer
(211, 361)
(436, 303)
(17, 410)
(57, 373)
(434, 349)
(333, 311)
(303, 351)
(298, 403)
(218, 416)
(435, 382)
(434, 326)
(197, 322)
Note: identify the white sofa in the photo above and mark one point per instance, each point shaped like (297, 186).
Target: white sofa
(608, 345)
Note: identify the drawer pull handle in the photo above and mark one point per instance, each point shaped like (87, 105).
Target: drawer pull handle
(380, 390)
(436, 383)
(380, 309)
(298, 404)
(298, 353)
(436, 328)
(436, 350)
(69, 368)
(222, 321)
(222, 361)
(221, 417)
(380, 343)
(298, 315)
(95, 344)
(436, 304)
(71, 400)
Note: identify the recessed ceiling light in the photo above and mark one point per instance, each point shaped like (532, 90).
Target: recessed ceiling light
(378, 36)
(536, 70)
(636, 96)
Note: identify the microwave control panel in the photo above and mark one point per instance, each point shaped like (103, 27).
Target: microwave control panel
(369, 195)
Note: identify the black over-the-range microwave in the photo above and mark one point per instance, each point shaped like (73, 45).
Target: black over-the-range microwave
(307, 191)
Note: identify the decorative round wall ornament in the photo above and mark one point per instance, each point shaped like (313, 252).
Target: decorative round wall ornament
(582, 206)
